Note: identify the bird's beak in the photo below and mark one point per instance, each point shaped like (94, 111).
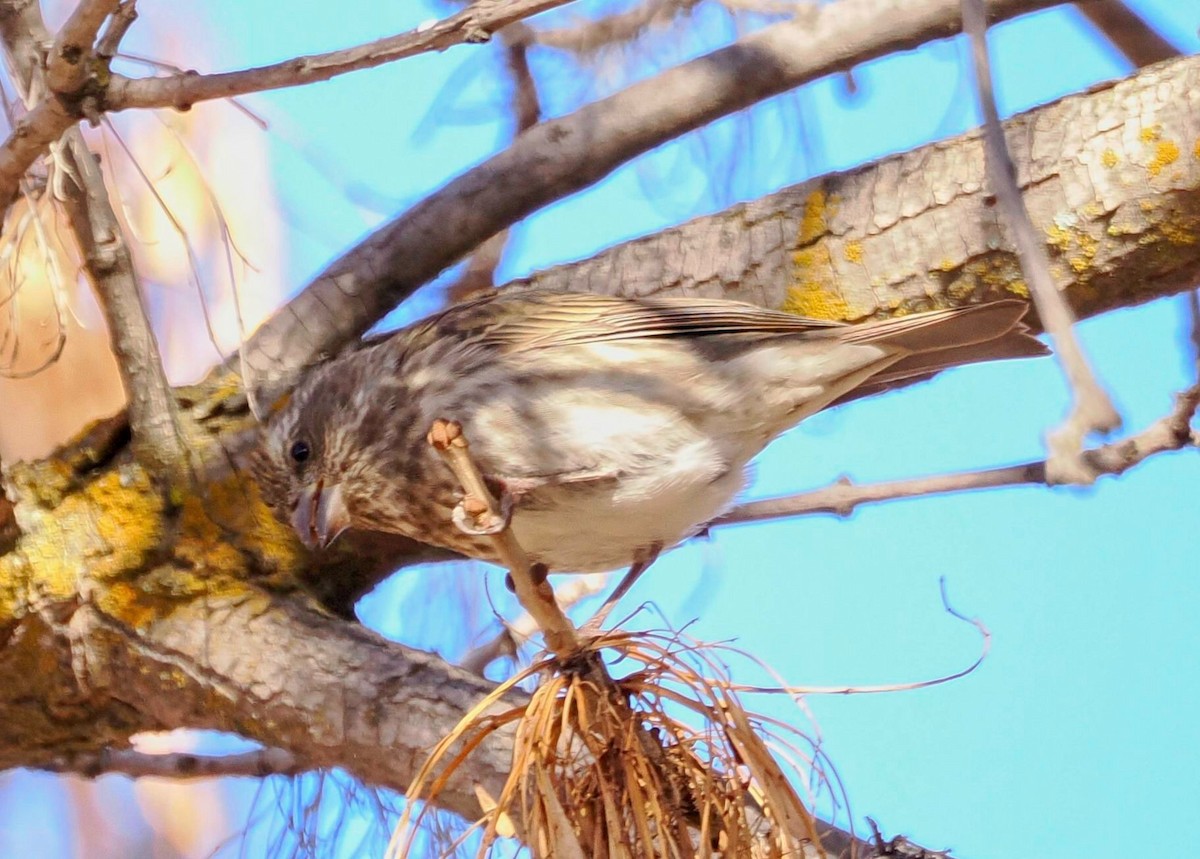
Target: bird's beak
(320, 515)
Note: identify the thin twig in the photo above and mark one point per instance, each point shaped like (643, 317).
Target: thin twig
(505, 642)
(178, 765)
(1092, 410)
(69, 64)
(474, 24)
(1170, 433)
(534, 593)
(617, 29)
(563, 155)
(118, 26)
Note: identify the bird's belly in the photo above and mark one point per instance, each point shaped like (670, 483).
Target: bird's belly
(597, 528)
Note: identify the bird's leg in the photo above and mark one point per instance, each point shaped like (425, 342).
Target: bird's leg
(646, 557)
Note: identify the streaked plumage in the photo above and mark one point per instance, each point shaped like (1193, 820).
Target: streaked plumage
(616, 424)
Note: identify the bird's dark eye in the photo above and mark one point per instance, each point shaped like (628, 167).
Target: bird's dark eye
(300, 451)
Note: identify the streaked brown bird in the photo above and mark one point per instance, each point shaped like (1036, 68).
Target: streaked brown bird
(616, 426)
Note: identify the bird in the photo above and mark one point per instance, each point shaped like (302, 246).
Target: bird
(614, 427)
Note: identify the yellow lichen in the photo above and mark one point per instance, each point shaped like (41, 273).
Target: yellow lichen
(814, 223)
(1178, 233)
(1109, 158)
(814, 291)
(1019, 287)
(853, 251)
(1166, 152)
(812, 300)
(1150, 133)
(1058, 237)
(1196, 150)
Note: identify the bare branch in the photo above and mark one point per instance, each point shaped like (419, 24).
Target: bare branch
(68, 65)
(617, 29)
(564, 155)
(1171, 433)
(505, 643)
(533, 591)
(122, 20)
(476, 23)
(109, 266)
(1093, 411)
(1141, 44)
(29, 140)
(177, 765)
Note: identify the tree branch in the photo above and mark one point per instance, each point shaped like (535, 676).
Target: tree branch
(561, 156)
(176, 765)
(476, 23)
(68, 64)
(1092, 411)
(1141, 44)
(1171, 433)
(107, 260)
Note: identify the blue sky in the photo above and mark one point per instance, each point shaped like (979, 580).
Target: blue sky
(1077, 736)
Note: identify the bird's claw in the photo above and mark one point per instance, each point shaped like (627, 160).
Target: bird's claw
(472, 516)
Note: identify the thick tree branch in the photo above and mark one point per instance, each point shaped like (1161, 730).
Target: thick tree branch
(561, 156)
(476, 23)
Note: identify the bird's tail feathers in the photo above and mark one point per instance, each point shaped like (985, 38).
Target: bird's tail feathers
(939, 330)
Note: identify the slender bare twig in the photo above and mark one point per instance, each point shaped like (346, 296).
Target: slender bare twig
(1170, 433)
(619, 28)
(178, 765)
(505, 642)
(118, 26)
(1141, 44)
(474, 24)
(561, 156)
(534, 592)
(1092, 410)
(68, 64)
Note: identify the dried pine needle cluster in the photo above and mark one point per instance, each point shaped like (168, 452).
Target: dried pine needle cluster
(662, 761)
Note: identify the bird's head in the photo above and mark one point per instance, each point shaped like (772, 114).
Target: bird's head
(305, 463)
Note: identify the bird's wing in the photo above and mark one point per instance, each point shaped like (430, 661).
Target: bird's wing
(531, 320)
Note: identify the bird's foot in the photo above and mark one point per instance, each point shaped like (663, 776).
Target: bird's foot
(472, 516)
